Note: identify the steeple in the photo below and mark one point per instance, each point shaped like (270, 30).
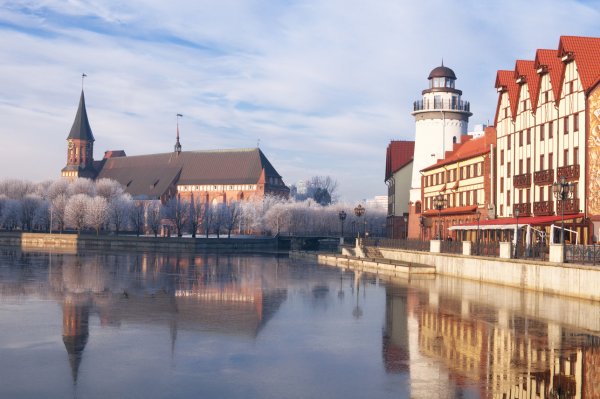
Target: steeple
(177, 143)
(80, 145)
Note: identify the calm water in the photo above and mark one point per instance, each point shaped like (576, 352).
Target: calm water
(99, 325)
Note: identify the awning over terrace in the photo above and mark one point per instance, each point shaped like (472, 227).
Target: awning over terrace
(511, 223)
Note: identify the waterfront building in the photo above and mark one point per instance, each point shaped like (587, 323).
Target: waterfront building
(441, 120)
(462, 181)
(398, 175)
(548, 128)
(214, 176)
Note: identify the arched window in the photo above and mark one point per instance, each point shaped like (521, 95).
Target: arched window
(418, 207)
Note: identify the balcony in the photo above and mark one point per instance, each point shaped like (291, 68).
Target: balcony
(543, 208)
(522, 181)
(570, 172)
(571, 206)
(524, 209)
(455, 105)
(544, 177)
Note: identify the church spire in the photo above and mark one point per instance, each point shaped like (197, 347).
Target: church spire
(81, 129)
(177, 143)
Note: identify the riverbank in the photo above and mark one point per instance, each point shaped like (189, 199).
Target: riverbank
(76, 242)
(564, 279)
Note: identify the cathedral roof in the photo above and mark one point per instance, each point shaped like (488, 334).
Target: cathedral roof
(442, 72)
(151, 175)
(81, 126)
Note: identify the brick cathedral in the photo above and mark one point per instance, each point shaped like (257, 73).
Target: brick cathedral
(214, 176)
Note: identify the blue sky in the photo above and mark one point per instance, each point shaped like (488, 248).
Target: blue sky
(324, 85)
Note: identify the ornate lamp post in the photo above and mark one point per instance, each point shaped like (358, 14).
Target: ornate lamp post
(438, 203)
(562, 191)
(405, 227)
(359, 211)
(477, 234)
(517, 234)
(342, 216)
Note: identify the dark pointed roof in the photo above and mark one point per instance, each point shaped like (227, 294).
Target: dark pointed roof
(81, 125)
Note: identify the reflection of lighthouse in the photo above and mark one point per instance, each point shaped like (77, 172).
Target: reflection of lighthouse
(76, 312)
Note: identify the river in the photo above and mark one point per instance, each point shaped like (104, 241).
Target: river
(158, 325)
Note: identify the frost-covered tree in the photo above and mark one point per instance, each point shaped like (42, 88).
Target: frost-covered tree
(109, 189)
(57, 210)
(96, 212)
(57, 188)
(15, 189)
(41, 219)
(232, 216)
(11, 214)
(207, 217)
(153, 216)
(75, 211)
(119, 209)
(29, 206)
(82, 186)
(195, 215)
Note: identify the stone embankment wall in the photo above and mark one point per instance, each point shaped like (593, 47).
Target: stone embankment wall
(556, 278)
(74, 242)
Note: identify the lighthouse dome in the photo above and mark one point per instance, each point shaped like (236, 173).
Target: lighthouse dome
(442, 72)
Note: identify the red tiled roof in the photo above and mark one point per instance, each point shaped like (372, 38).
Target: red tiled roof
(399, 154)
(555, 67)
(506, 80)
(586, 52)
(527, 70)
(468, 149)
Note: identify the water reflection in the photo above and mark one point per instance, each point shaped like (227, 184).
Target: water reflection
(476, 348)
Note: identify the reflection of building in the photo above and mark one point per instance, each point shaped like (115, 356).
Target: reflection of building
(76, 313)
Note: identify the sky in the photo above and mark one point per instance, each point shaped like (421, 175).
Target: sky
(321, 86)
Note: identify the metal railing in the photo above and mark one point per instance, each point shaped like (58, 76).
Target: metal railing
(489, 249)
(533, 251)
(425, 105)
(451, 247)
(583, 254)
(414, 245)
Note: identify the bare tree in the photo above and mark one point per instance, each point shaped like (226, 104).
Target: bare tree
(195, 215)
(29, 206)
(11, 214)
(153, 216)
(75, 211)
(96, 212)
(219, 212)
(232, 216)
(136, 216)
(41, 219)
(177, 211)
(207, 217)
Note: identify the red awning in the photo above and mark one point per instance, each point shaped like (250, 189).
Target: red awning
(457, 210)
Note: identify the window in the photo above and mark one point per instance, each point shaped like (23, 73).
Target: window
(475, 197)
(542, 132)
(521, 138)
(528, 166)
(546, 97)
(508, 171)
(520, 196)
(502, 184)
(571, 87)
(501, 157)
(508, 144)
(468, 171)
(576, 122)
(528, 136)
(566, 125)
(418, 207)
(507, 197)
(541, 194)
(575, 185)
(576, 156)
(528, 193)
(520, 166)
(566, 157)
(550, 130)
(461, 172)
(550, 161)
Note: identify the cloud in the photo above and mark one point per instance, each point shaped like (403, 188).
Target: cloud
(323, 85)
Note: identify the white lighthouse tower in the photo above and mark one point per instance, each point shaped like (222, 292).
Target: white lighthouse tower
(441, 117)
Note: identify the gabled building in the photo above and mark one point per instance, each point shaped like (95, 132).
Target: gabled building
(210, 176)
(548, 128)
(398, 174)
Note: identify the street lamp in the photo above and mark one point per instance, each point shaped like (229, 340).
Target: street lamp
(342, 216)
(405, 227)
(477, 236)
(438, 203)
(562, 191)
(517, 234)
(359, 211)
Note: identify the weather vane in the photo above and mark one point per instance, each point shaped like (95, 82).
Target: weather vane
(83, 76)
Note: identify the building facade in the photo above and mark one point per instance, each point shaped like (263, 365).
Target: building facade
(398, 175)
(547, 122)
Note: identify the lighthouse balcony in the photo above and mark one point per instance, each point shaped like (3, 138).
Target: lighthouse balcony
(441, 105)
